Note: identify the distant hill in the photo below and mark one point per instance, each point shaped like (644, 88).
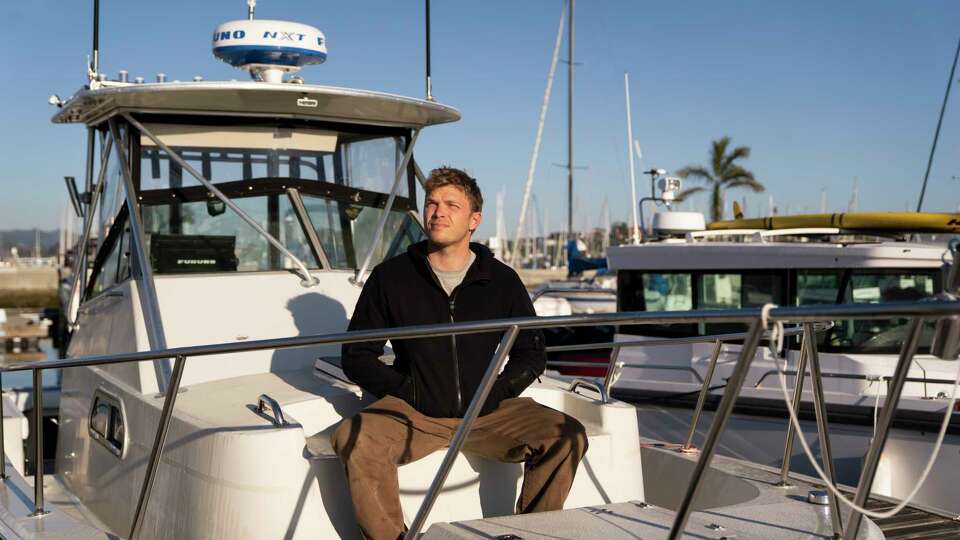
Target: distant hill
(24, 239)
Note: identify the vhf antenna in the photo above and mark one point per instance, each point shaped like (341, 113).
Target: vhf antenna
(94, 67)
(251, 5)
(429, 80)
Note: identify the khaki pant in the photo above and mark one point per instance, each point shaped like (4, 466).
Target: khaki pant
(390, 432)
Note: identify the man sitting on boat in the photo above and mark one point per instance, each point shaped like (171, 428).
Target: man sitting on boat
(425, 393)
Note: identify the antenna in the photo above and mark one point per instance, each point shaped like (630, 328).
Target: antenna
(251, 5)
(94, 68)
(429, 80)
(633, 176)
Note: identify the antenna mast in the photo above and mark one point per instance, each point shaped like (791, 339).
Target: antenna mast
(251, 5)
(429, 79)
(94, 68)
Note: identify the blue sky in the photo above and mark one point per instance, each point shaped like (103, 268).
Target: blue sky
(823, 92)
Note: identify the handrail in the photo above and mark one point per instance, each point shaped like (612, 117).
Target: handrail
(278, 418)
(789, 332)
(858, 377)
(146, 285)
(559, 290)
(813, 313)
(919, 310)
(79, 282)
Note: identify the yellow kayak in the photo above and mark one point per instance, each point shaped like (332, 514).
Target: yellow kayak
(928, 222)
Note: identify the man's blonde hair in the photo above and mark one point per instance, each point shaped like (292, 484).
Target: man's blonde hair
(449, 176)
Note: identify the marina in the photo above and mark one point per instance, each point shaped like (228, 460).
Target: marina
(780, 376)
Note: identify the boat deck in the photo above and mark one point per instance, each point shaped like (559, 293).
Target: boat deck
(913, 523)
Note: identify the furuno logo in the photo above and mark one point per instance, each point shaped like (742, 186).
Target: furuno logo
(222, 36)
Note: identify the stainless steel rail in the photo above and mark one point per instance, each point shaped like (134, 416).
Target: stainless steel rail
(702, 398)
(460, 437)
(789, 332)
(297, 201)
(823, 431)
(38, 510)
(858, 377)
(938, 308)
(797, 394)
(264, 401)
(613, 367)
(146, 285)
(169, 400)
(79, 283)
(872, 461)
(3, 447)
(560, 290)
(918, 310)
(724, 409)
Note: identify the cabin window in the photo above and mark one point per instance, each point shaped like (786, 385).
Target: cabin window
(399, 231)
(107, 423)
(736, 291)
(656, 291)
(371, 164)
(881, 286)
(342, 177)
(205, 236)
(114, 266)
(678, 291)
(817, 287)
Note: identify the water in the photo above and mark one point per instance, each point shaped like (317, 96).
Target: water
(24, 379)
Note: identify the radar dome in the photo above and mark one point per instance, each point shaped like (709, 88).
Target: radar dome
(269, 49)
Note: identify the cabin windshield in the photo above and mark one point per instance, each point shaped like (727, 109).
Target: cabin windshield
(343, 179)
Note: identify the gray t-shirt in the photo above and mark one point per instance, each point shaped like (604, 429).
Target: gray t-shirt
(450, 280)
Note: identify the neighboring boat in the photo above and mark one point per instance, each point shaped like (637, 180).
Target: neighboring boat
(840, 259)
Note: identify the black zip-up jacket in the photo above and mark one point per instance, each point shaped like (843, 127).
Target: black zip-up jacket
(439, 376)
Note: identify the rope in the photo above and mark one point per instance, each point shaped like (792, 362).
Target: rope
(781, 377)
(775, 341)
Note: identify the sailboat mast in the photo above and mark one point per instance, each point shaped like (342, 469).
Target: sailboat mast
(570, 31)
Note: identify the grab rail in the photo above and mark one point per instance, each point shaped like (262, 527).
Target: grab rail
(278, 419)
(808, 314)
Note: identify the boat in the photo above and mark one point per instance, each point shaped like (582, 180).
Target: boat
(838, 259)
(201, 382)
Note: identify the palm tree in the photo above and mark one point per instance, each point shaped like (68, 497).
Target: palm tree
(723, 174)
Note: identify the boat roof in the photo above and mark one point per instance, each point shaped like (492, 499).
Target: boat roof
(253, 98)
(683, 255)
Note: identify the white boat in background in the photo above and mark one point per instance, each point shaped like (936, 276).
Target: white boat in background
(796, 261)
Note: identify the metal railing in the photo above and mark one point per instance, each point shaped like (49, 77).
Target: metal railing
(920, 311)
(614, 367)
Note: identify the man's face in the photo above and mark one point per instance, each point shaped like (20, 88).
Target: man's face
(448, 216)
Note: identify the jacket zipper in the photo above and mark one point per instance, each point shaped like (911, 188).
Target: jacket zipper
(456, 359)
(451, 299)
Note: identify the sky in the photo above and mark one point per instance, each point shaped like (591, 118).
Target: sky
(824, 93)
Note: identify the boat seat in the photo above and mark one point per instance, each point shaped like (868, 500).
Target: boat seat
(478, 486)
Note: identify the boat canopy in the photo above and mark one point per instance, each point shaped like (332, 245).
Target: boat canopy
(890, 222)
(281, 100)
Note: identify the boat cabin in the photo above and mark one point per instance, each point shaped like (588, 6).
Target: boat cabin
(746, 268)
